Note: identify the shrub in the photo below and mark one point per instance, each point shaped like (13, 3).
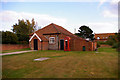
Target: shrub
(115, 45)
(110, 42)
(9, 38)
(22, 42)
(118, 49)
(98, 44)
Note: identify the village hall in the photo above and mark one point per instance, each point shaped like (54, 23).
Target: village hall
(55, 37)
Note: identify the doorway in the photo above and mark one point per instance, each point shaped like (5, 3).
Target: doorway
(35, 44)
(66, 44)
(83, 48)
(62, 44)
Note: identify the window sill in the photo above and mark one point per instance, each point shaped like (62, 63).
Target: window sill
(51, 43)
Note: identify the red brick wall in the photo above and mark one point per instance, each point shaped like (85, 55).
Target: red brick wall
(103, 35)
(41, 45)
(31, 43)
(95, 45)
(44, 45)
(77, 45)
(13, 46)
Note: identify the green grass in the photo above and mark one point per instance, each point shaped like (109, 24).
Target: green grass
(72, 64)
(105, 49)
(8, 51)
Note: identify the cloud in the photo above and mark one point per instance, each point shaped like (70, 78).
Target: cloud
(111, 9)
(114, 1)
(109, 14)
(101, 27)
(49, 0)
(104, 27)
(101, 3)
(8, 18)
(97, 27)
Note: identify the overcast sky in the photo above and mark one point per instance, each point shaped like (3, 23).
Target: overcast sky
(101, 15)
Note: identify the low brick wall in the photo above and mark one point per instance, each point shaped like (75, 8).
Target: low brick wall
(13, 46)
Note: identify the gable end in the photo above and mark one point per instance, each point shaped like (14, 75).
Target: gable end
(34, 36)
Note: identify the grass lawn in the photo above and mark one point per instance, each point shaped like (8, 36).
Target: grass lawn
(8, 51)
(73, 64)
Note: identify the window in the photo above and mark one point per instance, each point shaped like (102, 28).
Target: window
(52, 40)
(98, 37)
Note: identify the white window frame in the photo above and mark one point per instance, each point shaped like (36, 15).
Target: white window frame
(50, 40)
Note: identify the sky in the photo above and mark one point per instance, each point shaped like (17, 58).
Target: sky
(101, 15)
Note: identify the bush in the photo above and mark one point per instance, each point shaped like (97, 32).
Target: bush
(118, 49)
(110, 42)
(101, 42)
(98, 44)
(22, 42)
(23, 38)
(9, 38)
(115, 45)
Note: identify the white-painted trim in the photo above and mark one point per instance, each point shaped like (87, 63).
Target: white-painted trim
(66, 40)
(33, 36)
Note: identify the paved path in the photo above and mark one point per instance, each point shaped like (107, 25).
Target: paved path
(16, 52)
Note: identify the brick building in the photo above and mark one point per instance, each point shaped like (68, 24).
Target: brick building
(103, 36)
(55, 37)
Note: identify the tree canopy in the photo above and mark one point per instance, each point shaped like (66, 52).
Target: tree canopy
(23, 28)
(85, 32)
(114, 40)
(9, 38)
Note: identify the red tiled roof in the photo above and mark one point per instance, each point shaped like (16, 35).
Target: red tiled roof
(42, 37)
(53, 28)
(66, 32)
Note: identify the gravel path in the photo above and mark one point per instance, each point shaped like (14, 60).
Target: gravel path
(16, 52)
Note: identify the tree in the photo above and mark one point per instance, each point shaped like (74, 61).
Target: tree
(85, 32)
(23, 29)
(9, 38)
(114, 41)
